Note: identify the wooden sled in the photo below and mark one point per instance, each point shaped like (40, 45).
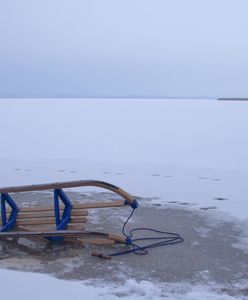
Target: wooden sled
(58, 222)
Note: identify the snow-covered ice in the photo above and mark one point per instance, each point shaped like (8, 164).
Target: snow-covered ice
(39, 287)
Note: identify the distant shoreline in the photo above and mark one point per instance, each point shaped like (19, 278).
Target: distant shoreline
(233, 99)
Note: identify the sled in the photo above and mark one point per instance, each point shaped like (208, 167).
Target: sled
(62, 220)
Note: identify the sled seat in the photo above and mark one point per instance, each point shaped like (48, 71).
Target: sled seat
(43, 218)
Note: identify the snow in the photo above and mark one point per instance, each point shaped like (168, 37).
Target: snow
(39, 287)
(187, 154)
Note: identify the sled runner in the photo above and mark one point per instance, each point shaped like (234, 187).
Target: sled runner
(62, 220)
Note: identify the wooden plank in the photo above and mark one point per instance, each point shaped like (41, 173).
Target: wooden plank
(68, 184)
(40, 221)
(37, 221)
(71, 233)
(45, 214)
(74, 226)
(34, 209)
(79, 212)
(27, 215)
(97, 241)
(78, 220)
(116, 203)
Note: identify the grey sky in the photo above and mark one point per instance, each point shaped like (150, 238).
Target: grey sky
(126, 47)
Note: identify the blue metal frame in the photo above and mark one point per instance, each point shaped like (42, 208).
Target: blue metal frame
(10, 223)
(61, 221)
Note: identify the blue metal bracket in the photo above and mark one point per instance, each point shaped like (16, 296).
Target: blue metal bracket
(134, 204)
(10, 223)
(129, 241)
(61, 221)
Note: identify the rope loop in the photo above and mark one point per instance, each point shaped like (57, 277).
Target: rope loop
(166, 238)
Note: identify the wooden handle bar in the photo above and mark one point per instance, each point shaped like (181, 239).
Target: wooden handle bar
(69, 184)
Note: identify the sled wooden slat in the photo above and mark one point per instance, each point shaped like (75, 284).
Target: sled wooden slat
(48, 227)
(41, 233)
(78, 220)
(109, 204)
(97, 241)
(39, 221)
(43, 214)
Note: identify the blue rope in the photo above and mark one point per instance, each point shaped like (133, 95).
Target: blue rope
(166, 238)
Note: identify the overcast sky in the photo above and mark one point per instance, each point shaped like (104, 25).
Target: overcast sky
(173, 48)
